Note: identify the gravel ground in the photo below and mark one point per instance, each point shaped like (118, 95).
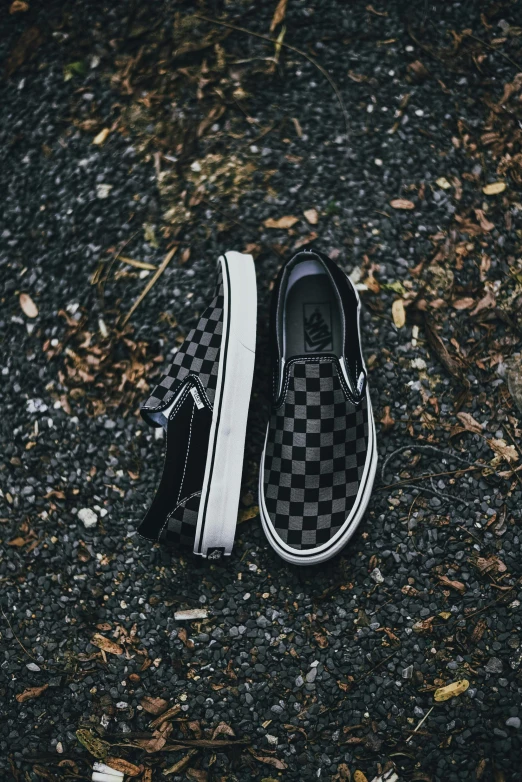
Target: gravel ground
(317, 673)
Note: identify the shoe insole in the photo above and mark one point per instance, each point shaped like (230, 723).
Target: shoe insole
(312, 321)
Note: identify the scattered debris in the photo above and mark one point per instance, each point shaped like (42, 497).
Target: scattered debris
(28, 306)
(451, 690)
(190, 614)
(88, 517)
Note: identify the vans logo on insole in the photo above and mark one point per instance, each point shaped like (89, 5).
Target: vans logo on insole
(317, 327)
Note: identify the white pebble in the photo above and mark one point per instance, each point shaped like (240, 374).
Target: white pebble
(88, 516)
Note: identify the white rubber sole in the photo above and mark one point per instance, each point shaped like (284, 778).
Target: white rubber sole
(217, 518)
(339, 541)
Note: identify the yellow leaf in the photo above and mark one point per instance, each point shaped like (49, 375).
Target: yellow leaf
(445, 614)
(248, 513)
(312, 216)
(494, 188)
(101, 137)
(451, 690)
(443, 182)
(106, 644)
(398, 313)
(283, 222)
(28, 306)
(359, 777)
(279, 14)
(402, 203)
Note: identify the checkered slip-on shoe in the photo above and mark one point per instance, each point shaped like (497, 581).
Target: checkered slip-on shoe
(202, 403)
(320, 456)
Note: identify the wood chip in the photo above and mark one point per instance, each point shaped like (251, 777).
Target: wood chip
(106, 644)
(402, 203)
(191, 613)
(443, 182)
(101, 137)
(451, 690)
(494, 188)
(284, 222)
(28, 306)
(166, 715)
(32, 692)
(312, 216)
(153, 706)
(398, 313)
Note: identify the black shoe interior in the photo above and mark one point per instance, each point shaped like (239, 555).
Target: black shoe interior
(312, 320)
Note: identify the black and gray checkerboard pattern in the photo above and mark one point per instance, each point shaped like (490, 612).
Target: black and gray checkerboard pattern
(180, 529)
(315, 455)
(198, 355)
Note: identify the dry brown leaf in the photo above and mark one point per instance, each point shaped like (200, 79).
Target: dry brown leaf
(387, 421)
(223, 730)
(451, 690)
(501, 448)
(106, 644)
(199, 774)
(423, 625)
(457, 585)
(485, 303)
(284, 222)
(359, 777)
(463, 304)
(180, 764)
(494, 188)
(275, 762)
(18, 6)
(312, 215)
(166, 715)
(398, 313)
(32, 692)
(402, 203)
(101, 137)
(17, 542)
(152, 705)
(118, 764)
(485, 224)
(469, 423)
(28, 306)
(279, 14)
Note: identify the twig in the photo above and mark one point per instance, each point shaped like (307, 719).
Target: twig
(295, 49)
(423, 720)
(149, 285)
(15, 635)
(490, 46)
(437, 452)
(428, 475)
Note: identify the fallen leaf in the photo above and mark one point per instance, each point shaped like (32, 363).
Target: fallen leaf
(359, 777)
(166, 715)
(180, 765)
(32, 692)
(18, 6)
(402, 203)
(312, 216)
(494, 188)
(275, 762)
(451, 690)
(501, 448)
(469, 423)
(387, 421)
(28, 306)
(223, 730)
(463, 304)
(423, 625)
(398, 313)
(485, 224)
(486, 302)
(153, 706)
(200, 775)
(106, 644)
(17, 542)
(279, 14)
(457, 585)
(248, 513)
(101, 137)
(23, 49)
(118, 764)
(443, 182)
(283, 222)
(92, 743)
